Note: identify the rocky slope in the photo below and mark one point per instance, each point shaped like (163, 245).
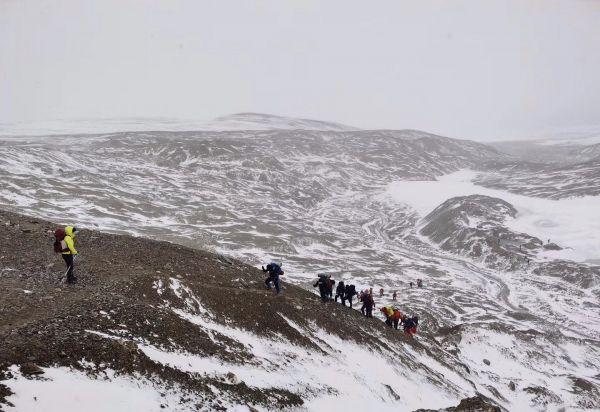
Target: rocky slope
(196, 330)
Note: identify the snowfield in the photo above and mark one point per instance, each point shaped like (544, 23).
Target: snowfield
(573, 223)
(63, 389)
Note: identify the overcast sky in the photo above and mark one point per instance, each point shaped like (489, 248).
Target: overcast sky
(472, 69)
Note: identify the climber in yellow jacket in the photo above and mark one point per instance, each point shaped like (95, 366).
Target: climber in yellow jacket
(65, 243)
(392, 316)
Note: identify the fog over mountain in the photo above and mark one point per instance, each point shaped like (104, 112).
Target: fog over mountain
(507, 249)
(449, 68)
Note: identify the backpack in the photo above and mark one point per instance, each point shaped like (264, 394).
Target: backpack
(323, 276)
(352, 290)
(410, 323)
(389, 312)
(275, 269)
(59, 241)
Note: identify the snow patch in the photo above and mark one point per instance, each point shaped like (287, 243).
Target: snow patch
(63, 389)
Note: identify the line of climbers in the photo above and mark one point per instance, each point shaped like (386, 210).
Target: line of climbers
(64, 243)
(395, 293)
(393, 316)
(344, 292)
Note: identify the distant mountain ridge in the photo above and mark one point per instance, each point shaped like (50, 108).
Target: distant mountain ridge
(260, 121)
(233, 122)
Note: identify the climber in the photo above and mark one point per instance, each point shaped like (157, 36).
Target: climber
(419, 283)
(349, 294)
(340, 292)
(396, 318)
(381, 292)
(274, 271)
(394, 295)
(64, 243)
(361, 298)
(388, 312)
(410, 324)
(321, 282)
(330, 283)
(368, 304)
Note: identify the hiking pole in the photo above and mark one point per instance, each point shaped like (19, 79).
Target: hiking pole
(68, 268)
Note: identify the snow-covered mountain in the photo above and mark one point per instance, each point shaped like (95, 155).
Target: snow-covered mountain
(575, 146)
(553, 181)
(577, 136)
(376, 208)
(586, 153)
(473, 226)
(239, 121)
(259, 121)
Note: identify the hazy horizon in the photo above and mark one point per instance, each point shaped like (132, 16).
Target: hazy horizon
(171, 124)
(482, 71)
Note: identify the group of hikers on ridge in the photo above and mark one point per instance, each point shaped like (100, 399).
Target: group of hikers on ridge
(344, 292)
(393, 316)
(64, 243)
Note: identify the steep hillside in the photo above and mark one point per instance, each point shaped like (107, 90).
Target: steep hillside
(181, 329)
